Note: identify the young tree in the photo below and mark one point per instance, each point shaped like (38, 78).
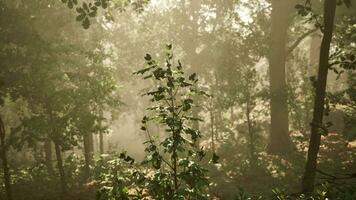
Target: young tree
(178, 174)
(317, 127)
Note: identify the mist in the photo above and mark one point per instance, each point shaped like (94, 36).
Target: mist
(177, 99)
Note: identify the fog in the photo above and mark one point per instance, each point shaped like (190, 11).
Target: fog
(177, 99)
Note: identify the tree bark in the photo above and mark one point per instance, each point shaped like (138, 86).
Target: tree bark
(314, 143)
(101, 143)
(251, 135)
(212, 121)
(279, 141)
(48, 156)
(88, 152)
(195, 113)
(60, 168)
(7, 175)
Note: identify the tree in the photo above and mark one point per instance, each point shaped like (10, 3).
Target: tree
(68, 107)
(280, 142)
(178, 174)
(48, 155)
(12, 42)
(317, 127)
(3, 148)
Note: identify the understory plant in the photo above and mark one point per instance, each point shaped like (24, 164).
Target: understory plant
(171, 169)
(176, 172)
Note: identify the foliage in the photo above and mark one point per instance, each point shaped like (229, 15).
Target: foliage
(72, 109)
(324, 192)
(74, 170)
(54, 84)
(116, 177)
(177, 174)
(88, 10)
(171, 169)
(33, 182)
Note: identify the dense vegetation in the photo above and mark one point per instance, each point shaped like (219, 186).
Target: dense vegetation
(175, 100)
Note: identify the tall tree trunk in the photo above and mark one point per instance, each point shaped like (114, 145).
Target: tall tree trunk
(314, 143)
(48, 156)
(88, 152)
(279, 142)
(3, 148)
(60, 168)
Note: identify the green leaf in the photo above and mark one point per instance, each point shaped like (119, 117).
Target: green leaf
(80, 10)
(92, 14)
(179, 67)
(85, 7)
(148, 57)
(193, 77)
(142, 71)
(187, 104)
(299, 6)
(170, 83)
(215, 158)
(104, 5)
(70, 4)
(80, 17)
(86, 23)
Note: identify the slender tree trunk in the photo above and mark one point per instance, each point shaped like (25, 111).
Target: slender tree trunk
(101, 143)
(280, 142)
(176, 134)
(101, 137)
(48, 156)
(91, 144)
(88, 152)
(311, 72)
(3, 148)
(251, 135)
(60, 168)
(320, 89)
(195, 113)
(212, 121)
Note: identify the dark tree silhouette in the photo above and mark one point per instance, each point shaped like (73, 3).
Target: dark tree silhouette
(7, 176)
(319, 103)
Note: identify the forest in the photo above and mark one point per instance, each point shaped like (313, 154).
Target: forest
(178, 100)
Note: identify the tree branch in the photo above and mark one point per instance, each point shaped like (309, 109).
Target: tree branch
(332, 177)
(299, 40)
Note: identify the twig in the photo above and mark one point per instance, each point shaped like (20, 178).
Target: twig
(299, 40)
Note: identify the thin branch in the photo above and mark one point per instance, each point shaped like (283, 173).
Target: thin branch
(326, 174)
(299, 40)
(332, 177)
(337, 63)
(152, 143)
